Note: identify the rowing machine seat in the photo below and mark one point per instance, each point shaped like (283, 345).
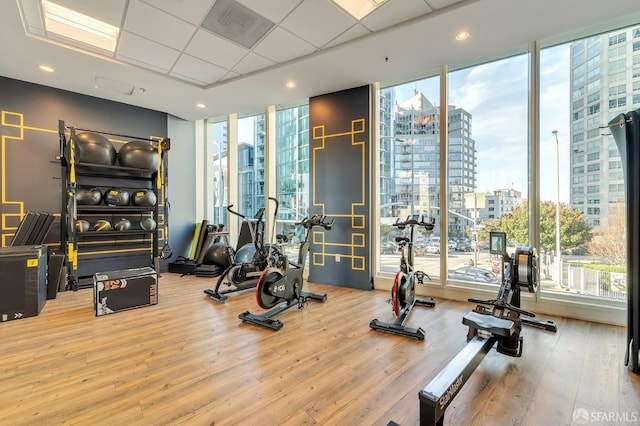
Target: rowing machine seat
(494, 325)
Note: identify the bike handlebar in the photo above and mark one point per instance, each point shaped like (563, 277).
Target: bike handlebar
(235, 212)
(316, 220)
(415, 219)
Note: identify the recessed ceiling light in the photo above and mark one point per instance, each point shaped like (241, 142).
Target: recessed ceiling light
(46, 68)
(79, 27)
(462, 35)
(359, 8)
(201, 105)
(290, 84)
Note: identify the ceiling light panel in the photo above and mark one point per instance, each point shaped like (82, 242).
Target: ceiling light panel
(78, 27)
(359, 8)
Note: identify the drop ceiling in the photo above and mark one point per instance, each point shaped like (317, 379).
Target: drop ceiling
(168, 58)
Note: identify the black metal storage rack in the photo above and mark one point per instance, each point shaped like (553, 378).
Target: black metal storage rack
(99, 251)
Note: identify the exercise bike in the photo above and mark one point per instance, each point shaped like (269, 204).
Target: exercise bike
(403, 293)
(491, 321)
(247, 263)
(284, 288)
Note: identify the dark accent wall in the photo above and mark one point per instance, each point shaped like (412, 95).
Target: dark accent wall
(339, 144)
(30, 170)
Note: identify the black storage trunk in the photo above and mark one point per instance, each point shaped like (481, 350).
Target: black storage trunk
(125, 289)
(23, 281)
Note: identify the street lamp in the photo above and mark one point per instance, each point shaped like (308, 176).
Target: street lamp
(558, 254)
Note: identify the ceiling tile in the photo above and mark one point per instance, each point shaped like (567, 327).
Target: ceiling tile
(166, 29)
(273, 10)
(143, 51)
(439, 4)
(393, 12)
(271, 46)
(197, 70)
(351, 34)
(216, 50)
(189, 10)
(309, 21)
(229, 76)
(111, 11)
(252, 62)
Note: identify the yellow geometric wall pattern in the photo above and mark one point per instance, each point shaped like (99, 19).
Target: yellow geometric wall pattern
(15, 129)
(355, 213)
(339, 145)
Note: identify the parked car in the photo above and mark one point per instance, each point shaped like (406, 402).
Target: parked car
(388, 247)
(452, 244)
(463, 246)
(420, 248)
(433, 248)
(472, 273)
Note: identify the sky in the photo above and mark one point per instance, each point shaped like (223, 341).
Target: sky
(496, 95)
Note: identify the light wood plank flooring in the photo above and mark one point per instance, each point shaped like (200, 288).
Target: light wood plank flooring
(189, 360)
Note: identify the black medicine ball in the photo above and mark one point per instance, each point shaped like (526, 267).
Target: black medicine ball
(148, 224)
(102, 225)
(82, 225)
(218, 255)
(94, 148)
(116, 197)
(122, 225)
(139, 155)
(90, 197)
(145, 198)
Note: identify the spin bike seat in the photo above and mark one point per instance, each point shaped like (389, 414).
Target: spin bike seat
(494, 325)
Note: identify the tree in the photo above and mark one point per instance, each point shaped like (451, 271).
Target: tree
(574, 229)
(609, 243)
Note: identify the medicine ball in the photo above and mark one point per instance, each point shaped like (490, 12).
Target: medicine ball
(139, 155)
(218, 255)
(148, 224)
(94, 148)
(90, 197)
(116, 197)
(245, 254)
(102, 225)
(122, 225)
(82, 225)
(145, 198)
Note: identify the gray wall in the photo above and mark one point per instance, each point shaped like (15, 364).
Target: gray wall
(181, 185)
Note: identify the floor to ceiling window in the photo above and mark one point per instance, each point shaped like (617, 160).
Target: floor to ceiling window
(251, 164)
(488, 165)
(292, 173)
(219, 172)
(584, 84)
(409, 170)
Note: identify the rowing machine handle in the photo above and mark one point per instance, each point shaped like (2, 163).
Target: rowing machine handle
(505, 306)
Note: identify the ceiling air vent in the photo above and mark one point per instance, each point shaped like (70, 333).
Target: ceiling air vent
(236, 23)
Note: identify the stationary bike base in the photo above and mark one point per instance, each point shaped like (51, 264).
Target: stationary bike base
(265, 320)
(260, 320)
(430, 302)
(398, 329)
(545, 324)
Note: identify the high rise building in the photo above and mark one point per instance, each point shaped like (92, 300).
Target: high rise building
(605, 81)
(410, 159)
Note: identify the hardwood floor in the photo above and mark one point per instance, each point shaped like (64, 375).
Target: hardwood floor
(189, 360)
